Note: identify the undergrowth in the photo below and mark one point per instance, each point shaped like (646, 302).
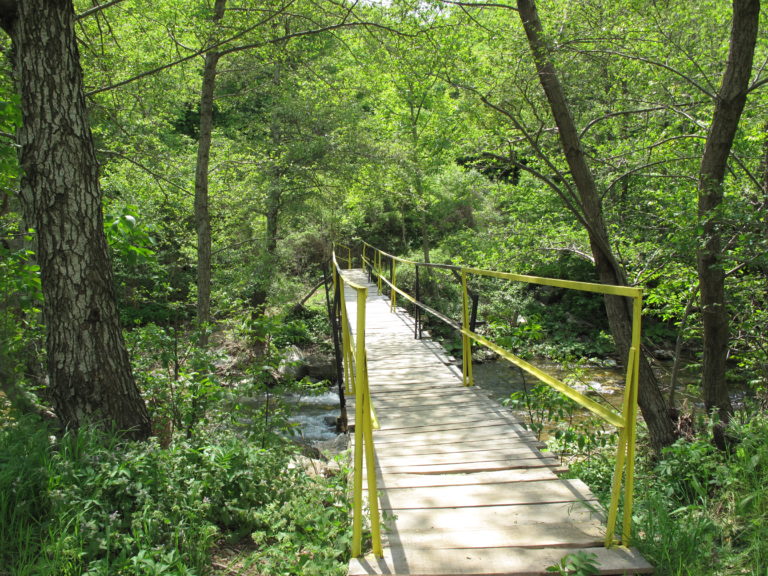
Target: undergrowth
(91, 504)
(697, 511)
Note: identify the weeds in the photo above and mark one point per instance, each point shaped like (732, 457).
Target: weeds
(90, 504)
(697, 510)
(579, 563)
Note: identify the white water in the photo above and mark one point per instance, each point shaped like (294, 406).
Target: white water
(312, 414)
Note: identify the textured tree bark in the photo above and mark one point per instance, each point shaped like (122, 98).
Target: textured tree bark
(728, 108)
(609, 271)
(202, 211)
(88, 366)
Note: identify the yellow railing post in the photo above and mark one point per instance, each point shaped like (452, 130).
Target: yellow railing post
(356, 378)
(466, 343)
(621, 452)
(631, 416)
(346, 346)
(378, 269)
(625, 452)
(357, 498)
(364, 422)
(393, 279)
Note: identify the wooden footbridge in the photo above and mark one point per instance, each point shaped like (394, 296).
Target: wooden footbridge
(460, 486)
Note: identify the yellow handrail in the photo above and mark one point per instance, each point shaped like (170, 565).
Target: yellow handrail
(356, 382)
(347, 249)
(625, 421)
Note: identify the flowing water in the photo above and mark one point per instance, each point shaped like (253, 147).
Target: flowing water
(315, 414)
(499, 378)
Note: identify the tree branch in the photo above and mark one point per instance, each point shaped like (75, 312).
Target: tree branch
(614, 114)
(656, 63)
(96, 9)
(479, 4)
(572, 250)
(643, 167)
(195, 54)
(243, 47)
(146, 169)
(312, 32)
(567, 196)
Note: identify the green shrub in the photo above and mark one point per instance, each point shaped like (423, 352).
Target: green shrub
(92, 504)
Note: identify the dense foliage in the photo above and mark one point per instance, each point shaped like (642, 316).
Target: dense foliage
(92, 504)
(420, 127)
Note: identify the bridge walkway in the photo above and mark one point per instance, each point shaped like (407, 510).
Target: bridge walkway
(463, 487)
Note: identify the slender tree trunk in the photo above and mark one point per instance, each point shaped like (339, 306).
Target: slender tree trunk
(88, 366)
(425, 242)
(272, 214)
(202, 211)
(609, 271)
(764, 167)
(728, 108)
(418, 183)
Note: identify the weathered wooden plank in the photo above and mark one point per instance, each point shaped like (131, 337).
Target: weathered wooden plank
(472, 425)
(499, 476)
(499, 494)
(519, 451)
(480, 466)
(425, 406)
(566, 535)
(470, 465)
(494, 561)
(432, 397)
(448, 435)
(454, 447)
(434, 392)
(506, 517)
(433, 419)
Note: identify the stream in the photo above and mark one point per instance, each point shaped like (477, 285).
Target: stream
(315, 415)
(499, 379)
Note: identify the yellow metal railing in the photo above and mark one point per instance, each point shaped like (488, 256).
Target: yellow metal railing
(339, 249)
(356, 383)
(625, 421)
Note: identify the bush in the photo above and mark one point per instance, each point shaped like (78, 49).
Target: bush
(92, 504)
(699, 511)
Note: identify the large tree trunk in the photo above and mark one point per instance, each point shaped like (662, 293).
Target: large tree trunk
(728, 108)
(609, 271)
(202, 212)
(88, 366)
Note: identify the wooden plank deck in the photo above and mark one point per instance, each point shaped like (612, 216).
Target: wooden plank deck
(463, 487)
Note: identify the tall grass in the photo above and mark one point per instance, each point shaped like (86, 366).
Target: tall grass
(24, 506)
